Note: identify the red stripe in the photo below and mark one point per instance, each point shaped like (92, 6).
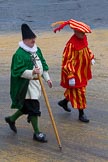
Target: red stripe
(79, 25)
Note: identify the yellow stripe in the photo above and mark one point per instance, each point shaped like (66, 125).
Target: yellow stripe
(69, 54)
(86, 65)
(74, 99)
(80, 98)
(69, 58)
(80, 25)
(79, 69)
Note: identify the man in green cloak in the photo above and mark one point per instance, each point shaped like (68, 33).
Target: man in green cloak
(25, 88)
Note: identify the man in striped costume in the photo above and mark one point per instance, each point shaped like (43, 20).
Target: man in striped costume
(76, 67)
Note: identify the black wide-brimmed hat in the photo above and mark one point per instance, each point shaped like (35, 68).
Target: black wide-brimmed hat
(27, 33)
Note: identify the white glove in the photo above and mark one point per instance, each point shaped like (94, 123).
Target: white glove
(93, 61)
(72, 82)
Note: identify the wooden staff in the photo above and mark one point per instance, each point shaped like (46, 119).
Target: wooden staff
(48, 105)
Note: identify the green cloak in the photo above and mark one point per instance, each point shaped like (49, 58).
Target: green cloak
(21, 61)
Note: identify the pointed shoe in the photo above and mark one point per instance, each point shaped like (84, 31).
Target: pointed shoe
(11, 124)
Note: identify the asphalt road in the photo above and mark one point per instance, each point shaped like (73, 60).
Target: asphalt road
(41, 14)
(80, 142)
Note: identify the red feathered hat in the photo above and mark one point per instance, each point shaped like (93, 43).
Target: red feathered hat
(75, 25)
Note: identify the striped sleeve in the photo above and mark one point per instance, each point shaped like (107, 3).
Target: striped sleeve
(68, 61)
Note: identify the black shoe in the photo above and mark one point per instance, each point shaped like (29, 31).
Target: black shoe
(84, 119)
(40, 137)
(64, 106)
(11, 124)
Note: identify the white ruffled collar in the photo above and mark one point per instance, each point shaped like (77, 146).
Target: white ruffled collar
(26, 48)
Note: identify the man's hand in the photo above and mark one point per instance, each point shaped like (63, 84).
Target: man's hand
(36, 71)
(72, 82)
(93, 61)
(49, 83)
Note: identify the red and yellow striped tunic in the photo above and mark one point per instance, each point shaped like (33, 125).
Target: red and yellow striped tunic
(76, 62)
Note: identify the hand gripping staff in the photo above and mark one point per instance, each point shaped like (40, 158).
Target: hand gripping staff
(47, 103)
